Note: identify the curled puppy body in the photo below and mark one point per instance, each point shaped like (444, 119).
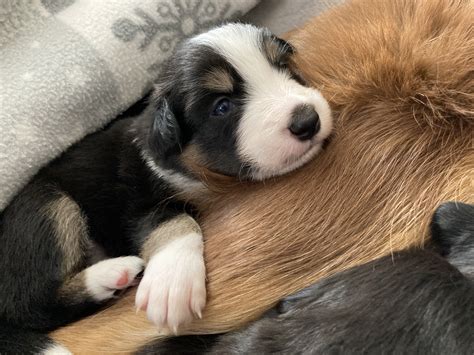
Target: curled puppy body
(226, 102)
(412, 302)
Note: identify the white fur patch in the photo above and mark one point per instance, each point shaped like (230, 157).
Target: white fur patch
(107, 276)
(264, 140)
(265, 173)
(56, 349)
(173, 289)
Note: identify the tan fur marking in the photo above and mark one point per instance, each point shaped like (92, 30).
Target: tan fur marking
(167, 232)
(219, 80)
(71, 231)
(195, 161)
(74, 290)
(395, 156)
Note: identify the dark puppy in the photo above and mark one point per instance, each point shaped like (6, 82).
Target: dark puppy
(226, 101)
(412, 302)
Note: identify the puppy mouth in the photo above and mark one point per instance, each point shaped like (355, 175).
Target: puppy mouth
(290, 163)
(294, 162)
(296, 157)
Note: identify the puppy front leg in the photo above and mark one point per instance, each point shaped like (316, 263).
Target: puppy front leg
(173, 288)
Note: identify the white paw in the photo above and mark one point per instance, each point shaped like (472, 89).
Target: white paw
(173, 289)
(107, 276)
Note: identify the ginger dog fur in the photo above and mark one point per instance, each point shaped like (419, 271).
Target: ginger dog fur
(399, 76)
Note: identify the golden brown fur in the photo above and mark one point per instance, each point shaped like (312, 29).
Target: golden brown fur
(399, 76)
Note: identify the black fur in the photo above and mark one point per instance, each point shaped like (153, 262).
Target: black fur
(115, 179)
(216, 137)
(452, 229)
(412, 302)
(119, 196)
(21, 341)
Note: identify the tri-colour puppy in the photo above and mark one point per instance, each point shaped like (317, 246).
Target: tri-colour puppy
(414, 302)
(118, 201)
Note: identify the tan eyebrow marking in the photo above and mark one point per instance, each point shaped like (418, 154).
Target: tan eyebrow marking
(70, 230)
(218, 79)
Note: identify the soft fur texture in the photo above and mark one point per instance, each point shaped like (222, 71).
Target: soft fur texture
(410, 302)
(399, 76)
(68, 67)
(128, 189)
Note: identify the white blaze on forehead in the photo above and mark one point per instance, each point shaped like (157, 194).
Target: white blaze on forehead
(263, 139)
(240, 45)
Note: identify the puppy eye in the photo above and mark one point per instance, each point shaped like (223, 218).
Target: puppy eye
(222, 107)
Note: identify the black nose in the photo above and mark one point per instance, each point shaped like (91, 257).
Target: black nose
(305, 122)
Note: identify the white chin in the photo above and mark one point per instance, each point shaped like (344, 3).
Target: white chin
(265, 173)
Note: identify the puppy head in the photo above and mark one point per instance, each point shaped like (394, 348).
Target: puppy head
(230, 96)
(452, 229)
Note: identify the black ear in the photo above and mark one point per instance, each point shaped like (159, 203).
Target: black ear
(277, 50)
(298, 299)
(285, 46)
(452, 228)
(165, 132)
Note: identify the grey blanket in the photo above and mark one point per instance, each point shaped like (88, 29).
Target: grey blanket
(67, 67)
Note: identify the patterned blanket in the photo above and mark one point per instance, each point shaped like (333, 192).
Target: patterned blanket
(67, 67)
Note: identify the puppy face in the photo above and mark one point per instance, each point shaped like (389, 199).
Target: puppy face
(230, 95)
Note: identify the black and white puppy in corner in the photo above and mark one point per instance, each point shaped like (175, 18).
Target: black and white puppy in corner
(117, 201)
(414, 302)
